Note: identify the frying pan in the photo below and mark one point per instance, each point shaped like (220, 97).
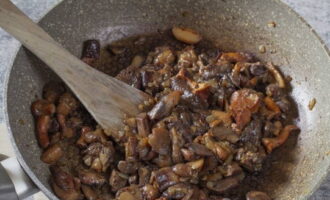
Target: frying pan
(297, 169)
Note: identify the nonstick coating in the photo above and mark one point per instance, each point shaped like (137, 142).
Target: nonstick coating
(298, 168)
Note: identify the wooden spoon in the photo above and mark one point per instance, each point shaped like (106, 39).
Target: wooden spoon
(106, 98)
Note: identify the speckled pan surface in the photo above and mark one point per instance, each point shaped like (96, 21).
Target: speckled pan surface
(233, 25)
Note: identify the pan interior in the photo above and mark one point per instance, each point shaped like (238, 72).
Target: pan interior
(239, 25)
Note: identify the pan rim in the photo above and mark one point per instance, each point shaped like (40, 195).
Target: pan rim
(50, 193)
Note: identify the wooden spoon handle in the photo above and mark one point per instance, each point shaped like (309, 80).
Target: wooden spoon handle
(105, 97)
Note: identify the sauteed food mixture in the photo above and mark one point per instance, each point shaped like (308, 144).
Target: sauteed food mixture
(212, 119)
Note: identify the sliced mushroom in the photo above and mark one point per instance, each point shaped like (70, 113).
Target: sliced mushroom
(250, 160)
(66, 194)
(160, 141)
(165, 56)
(143, 124)
(220, 149)
(188, 154)
(43, 124)
(133, 192)
(256, 195)
(272, 143)
(224, 133)
(189, 169)
(149, 192)
(91, 51)
(52, 154)
(243, 103)
(277, 75)
(127, 167)
(232, 169)
(61, 178)
(271, 105)
(274, 91)
(91, 178)
(186, 35)
(236, 57)
(137, 61)
(131, 152)
(42, 107)
(219, 117)
(199, 149)
(223, 185)
(177, 191)
(177, 144)
(165, 105)
(165, 178)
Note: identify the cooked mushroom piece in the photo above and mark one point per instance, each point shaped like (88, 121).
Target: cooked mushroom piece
(160, 141)
(91, 51)
(91, 178)
(127, 167)
(177, 144)
(42, 107)
(277, 75)
(243, 104)
(219, 117)
(52, 154)
(61, 178)
(220, 149)
(65, 194)
(132, 192)
(143, 124)
(256, 195)
(131, 149)
(165, 57)
(236, 57)
(233, 169)
(272, 143)
(223, 185)
(177, 191)
(225, 133)
(165, 178)
(149, 192)
(186, 35)
(43, 124)
(188, 169)
(165, 105)
(199, 149)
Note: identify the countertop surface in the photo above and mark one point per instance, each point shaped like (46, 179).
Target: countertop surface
(315, 12)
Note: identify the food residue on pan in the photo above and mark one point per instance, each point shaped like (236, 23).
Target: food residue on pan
(212, 119)
(311, 104)
(262, 49)
(271, 24)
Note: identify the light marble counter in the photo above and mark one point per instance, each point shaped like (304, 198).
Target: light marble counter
(315, 12)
